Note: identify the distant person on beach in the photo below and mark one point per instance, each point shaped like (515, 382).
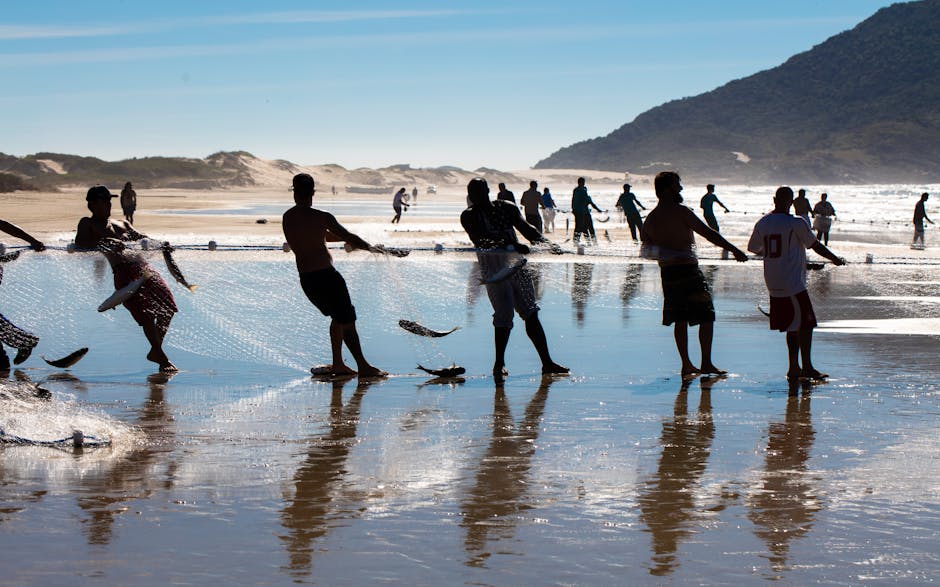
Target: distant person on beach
(414, 195)
(307, 231)
(707, 204)
(668, 237)
(548, 210)
(153, 306)
(920, 214)
(627, 202)
(505, 194)
(802, 207)
(128, 202)
(397, 205)
(492, 227)
(10, 334)
(581, 204)
(782, 240)
(823, 213)
(531, 202)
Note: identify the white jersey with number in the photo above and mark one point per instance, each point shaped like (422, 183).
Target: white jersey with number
(782, 240)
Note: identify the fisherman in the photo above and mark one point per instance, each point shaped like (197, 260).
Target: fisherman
(802, 207)
(10, 334)
(823, 212)
(531, 202)
(153, 305)
(307, 231)
(128, 202)
(581, 204)
(668, 237)
(782, 240)
(397, 204)
(492, 228)
(548, 210)
(627, 202)
(707, 204)
(920, 214)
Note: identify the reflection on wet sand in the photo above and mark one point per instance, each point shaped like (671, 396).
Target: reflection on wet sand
(315, 506)
(581, 289)
(784, 504)
(631, 285)
(667, 500)
(492, 504)
(132, 477)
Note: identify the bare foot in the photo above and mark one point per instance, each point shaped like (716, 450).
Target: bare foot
(812, 374)
(168, 367)
(690, 371)
(370, 371)
(499, 374)
(712, 370)
(554, 369)
(793, 375)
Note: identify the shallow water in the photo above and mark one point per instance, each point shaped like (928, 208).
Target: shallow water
(243, 469)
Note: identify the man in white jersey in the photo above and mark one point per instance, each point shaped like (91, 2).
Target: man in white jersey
(782, 239)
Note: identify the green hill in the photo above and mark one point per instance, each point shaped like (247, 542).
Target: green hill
(861, 107)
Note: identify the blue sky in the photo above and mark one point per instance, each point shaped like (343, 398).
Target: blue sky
(472, 84)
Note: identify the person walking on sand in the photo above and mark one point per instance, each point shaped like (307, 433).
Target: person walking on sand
(802, 207)
(823, 213)
(668, 237)
(707, 204)
(531, 202)
(10, 334)
(627, 203)
(548, 210)
(397, 204)
(153, 306)
(307, 231)
(505, 194)
(782, 240)
(492, 228)
(581, 204)
(128, 202)
(920, 214)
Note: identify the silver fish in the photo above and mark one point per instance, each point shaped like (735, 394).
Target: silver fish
(415, 328)
(68, 360)
(452, 371)
(174, 268)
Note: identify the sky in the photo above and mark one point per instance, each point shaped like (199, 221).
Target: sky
(498, 84)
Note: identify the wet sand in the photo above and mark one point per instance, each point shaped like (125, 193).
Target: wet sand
(243, 469)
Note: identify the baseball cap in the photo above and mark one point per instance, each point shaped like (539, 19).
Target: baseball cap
(98, 192)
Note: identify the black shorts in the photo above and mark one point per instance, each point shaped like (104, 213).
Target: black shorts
(792, 313)
(326, 289)
(686, 295)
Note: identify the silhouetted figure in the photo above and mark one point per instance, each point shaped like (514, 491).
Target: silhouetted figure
(307, 230)
(531, 202)
(581, 204)
(414, 195)
(505, 194)
(397, 205)
(823, 213)
(497, 499)
(627, 202)
(128, 202)
(784, 504)
(668, 237)
(802, 207)
(667, 500)
(492, 225)
(782, 240)
(920, 214)
(153, 306)
(707, 204)
(548, 210)
(315, 506)
(10, 334)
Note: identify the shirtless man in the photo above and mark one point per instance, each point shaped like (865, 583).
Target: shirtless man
(153, 305)
(10, 334)
(782, 240)
(492, 227)
(920, 214)
(307, 231)
(668, 237)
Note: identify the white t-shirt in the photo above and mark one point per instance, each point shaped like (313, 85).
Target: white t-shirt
(782, 239)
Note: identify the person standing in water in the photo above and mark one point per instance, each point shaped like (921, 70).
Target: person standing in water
(153, 306)
(128, 202)
(548, 210)
(531, 202)
(307, 231)
(920, 214)
(707, 204)
(802, 207)
(628, 203)
(668, 237)
(397, 204)
(581, 204)
(10, 334)
(782, 240)
(823, 213)
(492, 227)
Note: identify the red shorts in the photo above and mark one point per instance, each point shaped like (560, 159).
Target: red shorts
(792, 313)
(153, 302)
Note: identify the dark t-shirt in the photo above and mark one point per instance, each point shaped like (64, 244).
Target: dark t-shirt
(506, 195)
(495, 226)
